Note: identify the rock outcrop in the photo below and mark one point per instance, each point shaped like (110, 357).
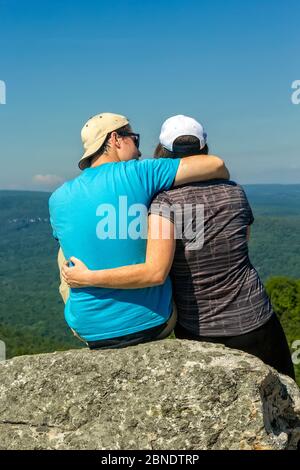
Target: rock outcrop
(169, 394)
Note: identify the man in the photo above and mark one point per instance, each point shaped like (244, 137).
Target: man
(90, 217)
(217, 291)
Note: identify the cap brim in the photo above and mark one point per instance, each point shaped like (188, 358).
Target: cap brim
(91, 151)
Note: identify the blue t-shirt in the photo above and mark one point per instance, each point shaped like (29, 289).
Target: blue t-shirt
(91, 216)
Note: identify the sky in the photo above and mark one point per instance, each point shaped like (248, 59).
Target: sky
(229, 64)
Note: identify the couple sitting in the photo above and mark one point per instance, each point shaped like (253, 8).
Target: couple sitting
(159, 245)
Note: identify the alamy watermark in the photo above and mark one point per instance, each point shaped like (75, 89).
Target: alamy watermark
(2, 351)
(296, 353)
(2, 92)
(125, 221)
(296, 93)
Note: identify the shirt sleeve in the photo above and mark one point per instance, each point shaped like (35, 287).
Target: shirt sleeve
(249, 213)
(157, 174)
(161, 205)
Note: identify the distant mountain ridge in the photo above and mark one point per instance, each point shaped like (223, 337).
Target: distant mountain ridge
(270, 195)
(275, 198)
(277, 224)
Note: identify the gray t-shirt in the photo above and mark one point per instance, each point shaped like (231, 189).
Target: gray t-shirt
(215, 287)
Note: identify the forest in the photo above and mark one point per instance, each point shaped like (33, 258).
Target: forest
(31, 311)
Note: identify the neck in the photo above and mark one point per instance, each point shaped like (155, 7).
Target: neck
(105, 158)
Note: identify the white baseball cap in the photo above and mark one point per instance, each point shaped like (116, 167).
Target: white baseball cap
(177, 126)
(95, 131)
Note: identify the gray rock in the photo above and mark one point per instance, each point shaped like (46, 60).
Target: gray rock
(169, 394)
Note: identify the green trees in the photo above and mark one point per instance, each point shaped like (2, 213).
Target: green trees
(285, 297)
(21, 341)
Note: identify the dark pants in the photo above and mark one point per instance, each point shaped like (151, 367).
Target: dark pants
(268, 343)
(153, 334)
(133, 339)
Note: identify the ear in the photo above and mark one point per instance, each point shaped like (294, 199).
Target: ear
(115, 140)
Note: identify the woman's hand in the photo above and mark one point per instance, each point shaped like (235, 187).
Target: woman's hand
(76, 276)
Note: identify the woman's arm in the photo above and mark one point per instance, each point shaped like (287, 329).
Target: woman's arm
(159, 258)
(248, 233)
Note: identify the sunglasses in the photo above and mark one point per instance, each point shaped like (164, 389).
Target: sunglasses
(135, 137)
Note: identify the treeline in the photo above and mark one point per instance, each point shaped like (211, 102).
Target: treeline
(22, 341)
(285, 297)
(274, 246)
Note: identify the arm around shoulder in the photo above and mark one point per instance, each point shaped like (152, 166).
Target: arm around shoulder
(201, 168)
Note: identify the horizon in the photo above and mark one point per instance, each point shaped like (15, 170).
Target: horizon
(244, 185)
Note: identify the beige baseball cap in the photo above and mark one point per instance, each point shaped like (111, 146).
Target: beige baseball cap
(94, 133)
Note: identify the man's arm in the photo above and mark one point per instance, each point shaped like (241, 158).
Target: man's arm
(159, 258)
(200, 168)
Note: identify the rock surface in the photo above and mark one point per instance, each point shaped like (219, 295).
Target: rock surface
(169, 394)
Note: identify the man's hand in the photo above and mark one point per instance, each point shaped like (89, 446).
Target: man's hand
(76, 276)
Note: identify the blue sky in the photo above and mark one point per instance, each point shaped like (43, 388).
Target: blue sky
(228, 63)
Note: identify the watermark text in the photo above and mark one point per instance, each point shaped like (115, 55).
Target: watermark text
(125, 221)
(2, 92)
(296, 93)
(296, 354)
(2, 351)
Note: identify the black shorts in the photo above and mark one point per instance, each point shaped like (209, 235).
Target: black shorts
(267, 342)
(128, 340)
